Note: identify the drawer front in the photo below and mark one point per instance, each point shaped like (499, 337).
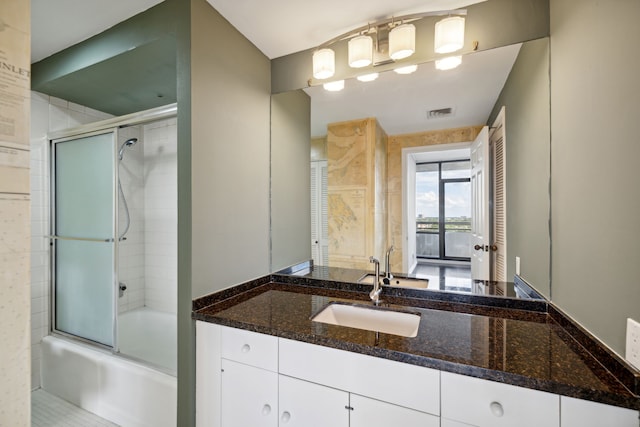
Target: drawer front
(490, 404)
(582, 413)
(402, 384)
(250, 348)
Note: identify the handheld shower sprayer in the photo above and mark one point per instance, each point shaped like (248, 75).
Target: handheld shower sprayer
(128, 143)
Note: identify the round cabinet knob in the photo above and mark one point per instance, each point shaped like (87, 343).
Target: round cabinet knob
(286, 416)
(478, 248)
(246, 348)
(496, 409)
(266, 409)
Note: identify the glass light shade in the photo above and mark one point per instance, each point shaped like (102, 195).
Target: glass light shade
(406, 70)
(449, 35)
(402, 41)
(368, 77)
(324, 64)
(448, 63)
(360, 51)
(336, 86)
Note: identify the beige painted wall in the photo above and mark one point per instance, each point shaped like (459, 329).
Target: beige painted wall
(595, 201)
(394, 176)
(290, 198)
(526, 100)
(15, 246)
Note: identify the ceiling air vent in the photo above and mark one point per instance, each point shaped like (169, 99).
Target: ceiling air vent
(440, 113)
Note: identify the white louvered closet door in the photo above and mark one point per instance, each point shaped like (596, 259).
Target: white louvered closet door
(319, 213)
(499, 235)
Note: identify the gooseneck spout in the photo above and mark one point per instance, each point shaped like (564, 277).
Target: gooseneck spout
(387, 267)
(375, 292)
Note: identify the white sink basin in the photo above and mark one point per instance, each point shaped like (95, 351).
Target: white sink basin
(370, 318)
(402, 282)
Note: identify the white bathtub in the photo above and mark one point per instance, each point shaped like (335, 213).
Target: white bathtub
(122, 391)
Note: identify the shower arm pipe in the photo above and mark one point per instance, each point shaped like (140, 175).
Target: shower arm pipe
(133, 119)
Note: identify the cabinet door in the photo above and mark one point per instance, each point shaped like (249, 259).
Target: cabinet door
(582, 413)
(305, 404)
(368, 412)
(249, 396)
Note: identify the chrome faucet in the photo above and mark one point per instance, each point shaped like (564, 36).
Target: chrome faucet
(375, 292)
(387, 270)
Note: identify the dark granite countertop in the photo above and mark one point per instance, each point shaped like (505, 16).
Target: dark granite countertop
(525, 343)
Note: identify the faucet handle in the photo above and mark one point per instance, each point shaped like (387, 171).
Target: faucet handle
(373, 259)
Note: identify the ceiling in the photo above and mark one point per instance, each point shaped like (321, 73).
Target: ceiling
(282, 27)
(276, 27)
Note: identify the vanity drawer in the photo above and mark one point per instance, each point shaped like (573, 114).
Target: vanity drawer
(411, 386)
(490, 404)
(250, 348)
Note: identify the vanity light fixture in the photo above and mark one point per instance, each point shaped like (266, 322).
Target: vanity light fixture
(368, 77)
(402, 41)
(448, 63)
(360, 51)
(449, 34)
(335, 86)
(385, 41)
(324, 63)
(407, 69)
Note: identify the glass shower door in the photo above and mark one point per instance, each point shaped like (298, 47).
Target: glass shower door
(83, 227)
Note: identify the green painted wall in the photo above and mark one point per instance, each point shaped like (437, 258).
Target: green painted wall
(230, 132)
(595, 202)
(526, 100)
(290, 198)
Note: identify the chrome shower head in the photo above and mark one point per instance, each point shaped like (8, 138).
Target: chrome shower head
(128, 143)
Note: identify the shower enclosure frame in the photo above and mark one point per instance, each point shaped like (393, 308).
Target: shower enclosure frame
(102, 127)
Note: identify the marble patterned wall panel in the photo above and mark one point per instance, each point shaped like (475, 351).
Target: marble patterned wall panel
(347, 223)
(347, 153)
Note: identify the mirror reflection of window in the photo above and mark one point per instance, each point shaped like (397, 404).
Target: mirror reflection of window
(443, 210)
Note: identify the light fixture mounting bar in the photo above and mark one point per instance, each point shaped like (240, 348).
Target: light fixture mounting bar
(372, 27)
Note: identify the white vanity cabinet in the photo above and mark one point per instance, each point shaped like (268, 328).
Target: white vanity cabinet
(250, 379)
(482, 403)
(367, 412)
(305, 404)
(249, 396)
(583, 413)
(397, 383)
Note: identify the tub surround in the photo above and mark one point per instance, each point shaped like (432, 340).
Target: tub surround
(527, 343)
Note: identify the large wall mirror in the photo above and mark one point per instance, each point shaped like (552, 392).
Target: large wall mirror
(367, 139)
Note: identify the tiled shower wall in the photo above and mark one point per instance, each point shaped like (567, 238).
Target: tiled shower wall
(148, 173)
(161, 215)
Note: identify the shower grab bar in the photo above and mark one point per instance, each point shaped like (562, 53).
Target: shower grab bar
(83, 239)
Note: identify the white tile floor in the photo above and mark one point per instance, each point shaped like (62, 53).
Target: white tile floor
(48, 410)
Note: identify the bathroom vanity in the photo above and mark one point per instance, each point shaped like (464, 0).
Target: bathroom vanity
(474, 361)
